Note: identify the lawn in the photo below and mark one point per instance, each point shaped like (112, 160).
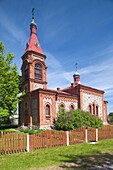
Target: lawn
(79, 155)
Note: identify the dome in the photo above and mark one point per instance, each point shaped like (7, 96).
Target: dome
(77, 74)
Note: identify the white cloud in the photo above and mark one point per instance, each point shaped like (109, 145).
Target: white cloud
(99, 75)
(52, 62)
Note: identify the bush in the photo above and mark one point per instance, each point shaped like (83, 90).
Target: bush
(96, 122)
(64, 120)
(87, 119)
(75, 119)
(7, 126)
(78, 118)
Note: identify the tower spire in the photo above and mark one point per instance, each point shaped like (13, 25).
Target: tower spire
(33, 43)
(76, 76)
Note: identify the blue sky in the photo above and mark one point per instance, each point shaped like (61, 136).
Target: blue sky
(69, 31)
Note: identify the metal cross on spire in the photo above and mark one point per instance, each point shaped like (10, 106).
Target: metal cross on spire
(76, 66)
(33, 12)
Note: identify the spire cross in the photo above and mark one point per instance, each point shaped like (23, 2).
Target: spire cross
(33, 13)
(76, 66)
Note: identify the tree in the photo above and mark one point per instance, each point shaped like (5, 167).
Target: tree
(20, 84)
(3, 115)
(110, 117)
(9, 83)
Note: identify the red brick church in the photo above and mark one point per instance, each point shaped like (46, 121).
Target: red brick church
(40, 105)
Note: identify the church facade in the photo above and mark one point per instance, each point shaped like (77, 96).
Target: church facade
(40, 105)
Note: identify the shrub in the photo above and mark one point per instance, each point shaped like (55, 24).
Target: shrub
(78, 118)
(96, 122)
(75, 119)
(64, 120)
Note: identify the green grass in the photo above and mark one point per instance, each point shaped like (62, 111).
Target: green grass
(10, 130)
(31, 131)
(57, 155)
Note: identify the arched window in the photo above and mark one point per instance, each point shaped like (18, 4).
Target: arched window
(47, 110)
(90, 109)
(26, 71)
(38, 71)
(96, 110)
(61, 107)
(71, 108)
(93, 109)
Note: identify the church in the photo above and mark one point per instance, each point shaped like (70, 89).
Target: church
(40, 105)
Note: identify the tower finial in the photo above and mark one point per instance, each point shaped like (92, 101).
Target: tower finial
(76, 66)
(33, 13)
(33, 24)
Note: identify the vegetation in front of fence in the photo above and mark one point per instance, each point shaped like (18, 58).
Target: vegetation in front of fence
(10, 131)
(20, 130)
(71, 155)
(75, 119)
(7, 126)
(31, 131)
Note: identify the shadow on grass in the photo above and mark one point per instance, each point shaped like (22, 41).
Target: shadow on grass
(101, 161)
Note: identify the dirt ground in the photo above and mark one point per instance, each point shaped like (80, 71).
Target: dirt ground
(98, 162)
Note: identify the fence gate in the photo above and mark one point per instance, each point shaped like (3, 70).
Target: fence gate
(77, 135)
(91, 134)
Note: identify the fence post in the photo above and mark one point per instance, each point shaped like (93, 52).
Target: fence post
(28, 147)
(67, 138)
(96, 134)
(86, 135)
(2, 134)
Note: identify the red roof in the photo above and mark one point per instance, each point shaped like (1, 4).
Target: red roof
(33, 43)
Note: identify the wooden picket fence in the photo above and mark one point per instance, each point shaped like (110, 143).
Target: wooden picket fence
(47, 139)
(106, 132)
(12, 142)
(77, 136)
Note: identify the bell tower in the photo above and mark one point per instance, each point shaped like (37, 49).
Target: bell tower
(33, 62)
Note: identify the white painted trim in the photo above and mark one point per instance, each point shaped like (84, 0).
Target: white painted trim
(96, 135)
(27, 148)
(86, 136)
(67, 137)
